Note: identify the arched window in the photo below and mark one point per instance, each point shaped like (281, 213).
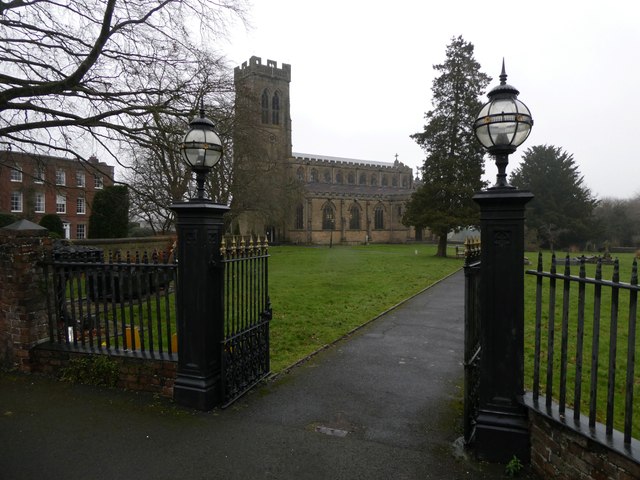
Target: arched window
(385, 181)
(378, 219)
(354, 217)
(363, 179)
(328, 218)
(351, 178)
(374, 180)
(394, 181)
(405, 182)
(314, 176)
(275, 109)
(299, 224)
(327, 176)
(265, 106)
(300, 174)
(339, 178)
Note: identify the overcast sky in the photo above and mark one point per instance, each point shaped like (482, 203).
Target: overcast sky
(362, 74)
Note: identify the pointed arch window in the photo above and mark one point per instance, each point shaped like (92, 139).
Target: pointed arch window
(275, 109)
(300, 174)
(328, 218)
(299, 223)
(351, 178)
(374, 180)
(363, 179)
(265, 106)
(314, 176)
(354, 217)
(378, 218)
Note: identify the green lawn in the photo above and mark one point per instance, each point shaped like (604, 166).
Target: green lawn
(319, 294)
(626, 261)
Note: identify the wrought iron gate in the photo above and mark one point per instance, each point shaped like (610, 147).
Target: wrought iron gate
(472, 340)
(247, 312)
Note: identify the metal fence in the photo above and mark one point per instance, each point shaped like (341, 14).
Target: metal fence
(594, 347)
(118, 304)
(247, 312)
(472, 340)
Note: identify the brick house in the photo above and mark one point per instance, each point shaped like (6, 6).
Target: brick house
(34, 185)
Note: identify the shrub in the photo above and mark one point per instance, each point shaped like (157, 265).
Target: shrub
(99, 370)
(53, 223)
(6, 219)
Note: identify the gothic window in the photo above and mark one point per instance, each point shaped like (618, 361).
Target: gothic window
(328, 218)
(314, 176)
(339, 178)
(394, 181)
(300, 174)
(385, 181)
(378, 222)
(374, 180)
(299, 225)
(363, 179)
(275, 109)
(351, 178)
(265, 106)
(327, 176)
(405, 182)
(354, 217)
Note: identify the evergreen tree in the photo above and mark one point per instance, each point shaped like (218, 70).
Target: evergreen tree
(562, 211)
(53, 223)
(454, 164)
(110, 213)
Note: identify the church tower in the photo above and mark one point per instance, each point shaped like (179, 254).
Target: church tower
(262, 93)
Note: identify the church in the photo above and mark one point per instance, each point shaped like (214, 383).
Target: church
(338, 200)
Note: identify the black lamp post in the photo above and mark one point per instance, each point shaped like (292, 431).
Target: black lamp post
(502, 425)
(199, 297)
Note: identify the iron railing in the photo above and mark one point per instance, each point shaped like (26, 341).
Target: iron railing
(472, 343)
(582, 326)
(247, 312)
(114, 305)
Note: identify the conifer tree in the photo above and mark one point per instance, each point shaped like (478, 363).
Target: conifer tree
(454, 161)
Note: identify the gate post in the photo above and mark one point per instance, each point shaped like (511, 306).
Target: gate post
(502, 423)
(199, 303)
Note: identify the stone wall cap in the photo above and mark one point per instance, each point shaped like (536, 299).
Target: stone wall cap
(24, 226)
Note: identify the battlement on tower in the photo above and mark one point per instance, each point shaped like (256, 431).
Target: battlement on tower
(256, 67)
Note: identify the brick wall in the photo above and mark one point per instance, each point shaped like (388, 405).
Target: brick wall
(561, 453)
(23, 319)
(138, 374)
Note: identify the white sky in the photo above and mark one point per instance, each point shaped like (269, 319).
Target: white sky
(362, 74)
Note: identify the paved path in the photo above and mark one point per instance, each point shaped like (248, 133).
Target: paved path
(382, 404)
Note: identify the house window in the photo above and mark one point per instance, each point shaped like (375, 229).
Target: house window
(378, 222)
(38, 175)
(299, 225)
(265, 107)
(16, 174)
(97, 181)
(61, 204)
(16, 201)
(328, 218)
(275, 109)
(354, 218)
(61, 177)
(39, 203)
(81, 208)
(80, 179)
(81, 231)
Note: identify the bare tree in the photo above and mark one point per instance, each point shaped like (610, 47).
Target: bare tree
(101, 72)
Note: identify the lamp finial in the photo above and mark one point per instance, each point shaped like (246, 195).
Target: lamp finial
(503, 75)
(202, 105)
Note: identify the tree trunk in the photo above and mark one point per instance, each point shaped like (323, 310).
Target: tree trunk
(442, 246)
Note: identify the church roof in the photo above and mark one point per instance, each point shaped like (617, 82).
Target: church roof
(327, 158)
